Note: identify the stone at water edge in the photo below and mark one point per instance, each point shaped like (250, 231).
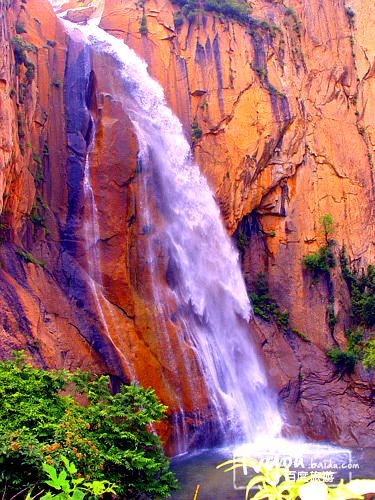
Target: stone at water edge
(81, 15)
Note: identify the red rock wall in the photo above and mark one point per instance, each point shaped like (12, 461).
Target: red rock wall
(287, 137)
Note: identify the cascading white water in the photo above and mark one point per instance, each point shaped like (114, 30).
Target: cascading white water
(207, 280)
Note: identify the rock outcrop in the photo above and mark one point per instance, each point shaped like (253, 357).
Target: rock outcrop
(285, 114)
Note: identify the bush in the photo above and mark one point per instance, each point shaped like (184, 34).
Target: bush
(344, 361)
(196, 132)
(368, 359)
(30, 71)
(236, 10)
(232, 9)
(20, 48)
(143, 26)
(267, 308)
(326, 222)
(105, 436)
(242, 240)
(319, 262)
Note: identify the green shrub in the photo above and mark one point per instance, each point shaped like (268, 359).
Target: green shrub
(105, 436)
(362, 292)
(332, 320)
(30, 71)
(359, 347)
(351, 16)
(67, 484)
(236, 10)
(319, 262)
(29, 258)
(368, 359)
(242, 240)
(20, 48)
(301, 335)
(143, 26)
(267, 308)
(232, 9)
(355, 337)
(344, 361)
(196, 132)
(326, 222)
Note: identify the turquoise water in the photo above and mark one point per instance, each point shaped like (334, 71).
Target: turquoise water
(200, 469)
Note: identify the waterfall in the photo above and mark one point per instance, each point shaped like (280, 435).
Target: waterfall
(203, 274)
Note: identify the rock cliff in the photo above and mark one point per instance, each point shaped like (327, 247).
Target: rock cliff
(281, 113)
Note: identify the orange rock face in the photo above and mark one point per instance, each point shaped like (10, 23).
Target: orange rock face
(286, 112)
(287, 135)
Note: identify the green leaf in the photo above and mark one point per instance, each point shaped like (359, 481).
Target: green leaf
(78, 495)
(70, 467)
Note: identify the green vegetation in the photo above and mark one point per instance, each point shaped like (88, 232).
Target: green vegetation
(327, 225)
(143, 26)
(273, 90)
(242, 240)
(368, 359)
(267, 308)
(29, 258)
(30, 71)
(20, 48)
(289, 12)
(319, 262)
(236, 10)
(362, 292)
(232, 9)
(351, 16)
(360, 341)
(68, 484)
(362, 295)
(20, 28)
(344, 361)
(37, 213)
(38, 174)
(275, 483)
(103, 437)
(196, 132)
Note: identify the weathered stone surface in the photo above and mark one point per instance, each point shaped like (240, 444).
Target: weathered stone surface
(282, 144)
(80, 15)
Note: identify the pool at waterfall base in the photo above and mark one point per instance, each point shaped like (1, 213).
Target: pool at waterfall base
(199, 468)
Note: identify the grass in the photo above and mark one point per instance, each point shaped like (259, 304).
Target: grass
(267, 308)
(29, 258)
(344, 361)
